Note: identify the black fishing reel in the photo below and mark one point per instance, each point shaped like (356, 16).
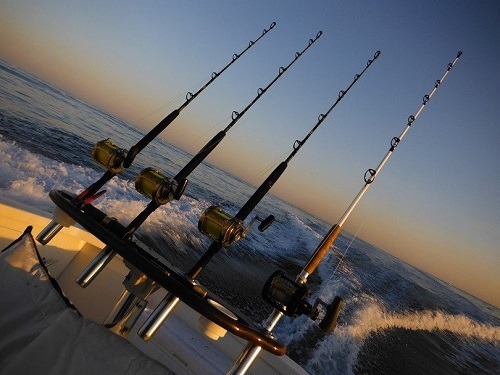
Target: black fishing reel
(290, 298)
(158, 187)
(221, 227)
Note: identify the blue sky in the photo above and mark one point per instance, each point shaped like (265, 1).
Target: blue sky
(435, 205)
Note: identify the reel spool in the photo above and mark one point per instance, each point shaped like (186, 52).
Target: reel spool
(109, 156)
(158, 187)
(220, 226)
(290, 298)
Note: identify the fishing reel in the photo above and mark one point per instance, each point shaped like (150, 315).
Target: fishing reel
(221, 227)
(290, 298)
(109, 156)
(158, 187)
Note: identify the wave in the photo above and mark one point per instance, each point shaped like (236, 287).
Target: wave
(374, 318)
(338, 352)
(28, 178)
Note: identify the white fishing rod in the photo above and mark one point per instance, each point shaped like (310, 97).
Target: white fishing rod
(288, 297)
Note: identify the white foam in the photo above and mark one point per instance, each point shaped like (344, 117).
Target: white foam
(338, 351)
(374, 318)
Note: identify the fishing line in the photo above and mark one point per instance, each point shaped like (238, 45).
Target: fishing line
(348, 247)
(330, 278)
(169, 104)
(267, 168)
(174, 102)
(208, 131)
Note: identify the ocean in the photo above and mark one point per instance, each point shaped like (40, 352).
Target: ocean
(396, 319)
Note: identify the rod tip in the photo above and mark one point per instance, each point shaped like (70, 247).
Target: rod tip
(459, 53)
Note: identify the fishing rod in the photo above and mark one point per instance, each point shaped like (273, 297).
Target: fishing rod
(225, 230)
(161, 189)
(116, 159)
(289, 297)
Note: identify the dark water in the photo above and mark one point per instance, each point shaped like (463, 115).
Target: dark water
(396, 319)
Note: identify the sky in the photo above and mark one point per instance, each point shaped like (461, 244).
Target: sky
(434, 205)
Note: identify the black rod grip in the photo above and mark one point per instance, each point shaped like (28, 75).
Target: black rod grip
(254, 200)
(153, 133)
(141, 218)
(200, 156)
(204, 260)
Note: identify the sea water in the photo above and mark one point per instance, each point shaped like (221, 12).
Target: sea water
(396, 319)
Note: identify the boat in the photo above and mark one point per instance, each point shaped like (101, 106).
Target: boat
(45, 277)
(50, 324)
(100, 318)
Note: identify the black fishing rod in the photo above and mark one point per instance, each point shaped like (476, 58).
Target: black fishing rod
(161, 189)
(116, 159)
(289, 297)
(225, 230)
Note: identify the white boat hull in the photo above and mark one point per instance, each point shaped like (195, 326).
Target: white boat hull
(179, 345)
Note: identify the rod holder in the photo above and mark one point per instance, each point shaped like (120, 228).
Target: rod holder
(59, 220)
(158, 317)
(162, 312)
(132, 302)
(49, 232)
(95, 267)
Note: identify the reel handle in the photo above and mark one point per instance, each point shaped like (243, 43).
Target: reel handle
(329, 321)
(266, 223)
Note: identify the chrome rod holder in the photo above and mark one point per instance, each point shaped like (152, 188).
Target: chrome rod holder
(59, 220)
(95, 267)
(158, 316)
(132, 302)
(49, 232)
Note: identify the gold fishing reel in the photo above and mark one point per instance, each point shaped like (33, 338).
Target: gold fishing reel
(110, 156)
(221, 227)
(158, 187)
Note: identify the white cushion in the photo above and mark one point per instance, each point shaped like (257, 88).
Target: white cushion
(41, 334)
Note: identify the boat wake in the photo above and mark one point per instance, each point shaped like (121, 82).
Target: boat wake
(374, 318)
(339, 352)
